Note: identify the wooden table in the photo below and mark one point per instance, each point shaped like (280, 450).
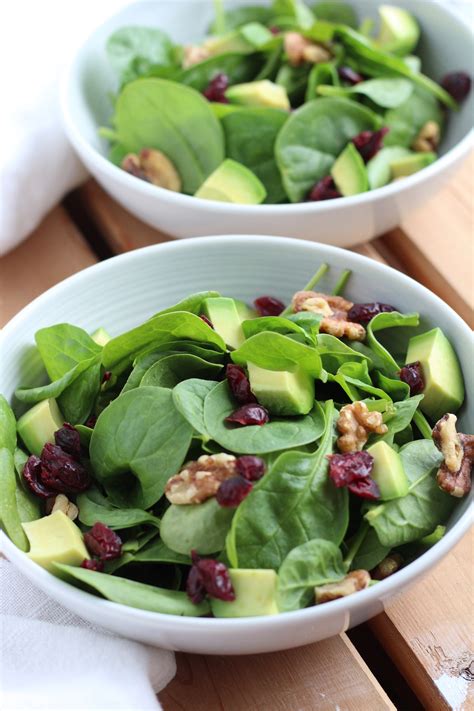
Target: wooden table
(418, 653)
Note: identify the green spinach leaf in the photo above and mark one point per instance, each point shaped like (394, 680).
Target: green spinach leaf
(239, 16)
(240, 68)
(133, 51)
(275, 351)
(91, 512)
(200, 527)
(172, 369)
(405, 121)
(63, 346)
(335, 11)
(370, 553)
(9, 515)
(189, 397)
(379, 323)
(7, 426)
(335, 353)
(388, 92)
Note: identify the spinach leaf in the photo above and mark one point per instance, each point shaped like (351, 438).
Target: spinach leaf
(335, 353)
(239, 16)
(7, 426)
(311, 564)
(323, 73)
(313, 136)
(424, 507)
(294, 80)
(275, 351)
(158, 552)
(280, 433)
(139, 441)
(296, 10)
(338, 12)
(28, 505)
(272, 63)
(354, 376)
(396, 389)
(250, 137)
(9, 515)
(388, 320)
(240, 68)
(397, 418)
(63, 346)
(156, 113)
(192, 303)
(189, 397)
(120, 351)
(172, 369)
(77, 400)
(133, 51)
(292, 504)
(57, 387)
(378, 168)
(406, 120)
(90, 512)
(276, 324)
(388, 92)
(131, 593)
(200, 527)
(370, 553)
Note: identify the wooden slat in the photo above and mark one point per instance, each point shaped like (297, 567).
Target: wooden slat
(429, 631)
(324, 676)
(53, 252)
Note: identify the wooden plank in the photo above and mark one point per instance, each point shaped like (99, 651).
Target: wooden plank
(429, 630)
(324, 676)
(53, 252)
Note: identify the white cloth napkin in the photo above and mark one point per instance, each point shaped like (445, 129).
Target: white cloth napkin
(52, 660)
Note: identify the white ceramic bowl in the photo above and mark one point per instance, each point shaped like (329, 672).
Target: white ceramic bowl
(123, 291)
(446, 46)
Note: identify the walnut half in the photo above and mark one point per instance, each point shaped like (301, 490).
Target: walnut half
(353, 582)
(300, 50)
(154, 167)
(334, 310)
(355, 423)
(200, 480)
(62, 503)
(454, 475)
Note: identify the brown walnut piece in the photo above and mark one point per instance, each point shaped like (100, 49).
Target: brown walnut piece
(194, 54)
(454, 475)
(154, 167)
(353, 582)
(428, 138)
(300, 50)
(355, 423)
(388, 566)
(62, 503)
(199, 480)
(334, 310)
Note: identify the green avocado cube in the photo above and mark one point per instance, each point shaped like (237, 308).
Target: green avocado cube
(349, 172)
(233, 182)
(399, 31)
(282, 392)
(55, 539)
(388, 472)
(259, 93)
(226, 319)
(255, 594)
(38, 425)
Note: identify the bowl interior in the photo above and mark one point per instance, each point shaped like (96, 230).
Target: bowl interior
(446, 46)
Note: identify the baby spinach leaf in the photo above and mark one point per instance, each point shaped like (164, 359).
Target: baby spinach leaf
(272, 63)
(276, 324)
(278, 434)
(388, 320)
(397, 389)
(131, 593)
(239, 16)
(323, 73)
(339, 12)
(77, 400)
(311, 564)
(292, 504)
(370, 553)
(10, 519)
(296, 10)
(275, 351)
(250, 137)
(172, 369)
(63, 346)
(156, 113)
(294, 80)
(398, 416)
(54, 389)
(139, 441)
(158, 552)
(192, 303)
(200, 527)
(388, 92)
(132, 51)
(240, 68)
(189, 397)
(406, 120)
(335, 353)
(120, 351)
(7, 426)
(313, 136)
(28, 505)
(424, 507)
(354, 376)
(379, 167)
(90, 512)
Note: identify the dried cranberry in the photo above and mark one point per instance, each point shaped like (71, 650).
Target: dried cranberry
(93, 564)
(457, 84)
(233, 491)
(210, 575)
(69, 440)
(61, 472)
(31, 474)
(268, 306)
(206, 320)
(368, 143)
(249, 415)
(91, 422)
(239, 384)
(102, 542)
(363, 313)
(106, 377)
(347, 468)
(325, 189)
(365, 489)
(250, 467)
(350, 75)
(412, 375)
(215, 90)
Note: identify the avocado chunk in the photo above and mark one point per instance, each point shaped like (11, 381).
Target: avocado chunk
(408, 165)
(224, 316)
(233, 182)
(231, 43)
(38, 425)
(259, 93)
(444, 384)
(399, 31)
(282, 392)
(255, 594)
(101, 337)
(245, 312)
(349, 172)
(388, 472)
(55, 539)
(379, 168)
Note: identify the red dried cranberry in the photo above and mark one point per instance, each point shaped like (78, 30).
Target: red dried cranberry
(206, 320)
(350, 75)
(106, 377)
(412, 375)
(31, 474)
(274, 30)
(363, 313)
(365, 489)
(268, 306)
(69, 440)
(325, 189)
(93, 564)
(215, 90)
(212, 576)
(250, 467)
(347, 468)
(233, 491)
(61, 472)
(368, 143)
(239, 384)
(91, 422)
(102, 542)
(457, 84)
(249, 415)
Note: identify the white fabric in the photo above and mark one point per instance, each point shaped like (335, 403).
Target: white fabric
(52, 660)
